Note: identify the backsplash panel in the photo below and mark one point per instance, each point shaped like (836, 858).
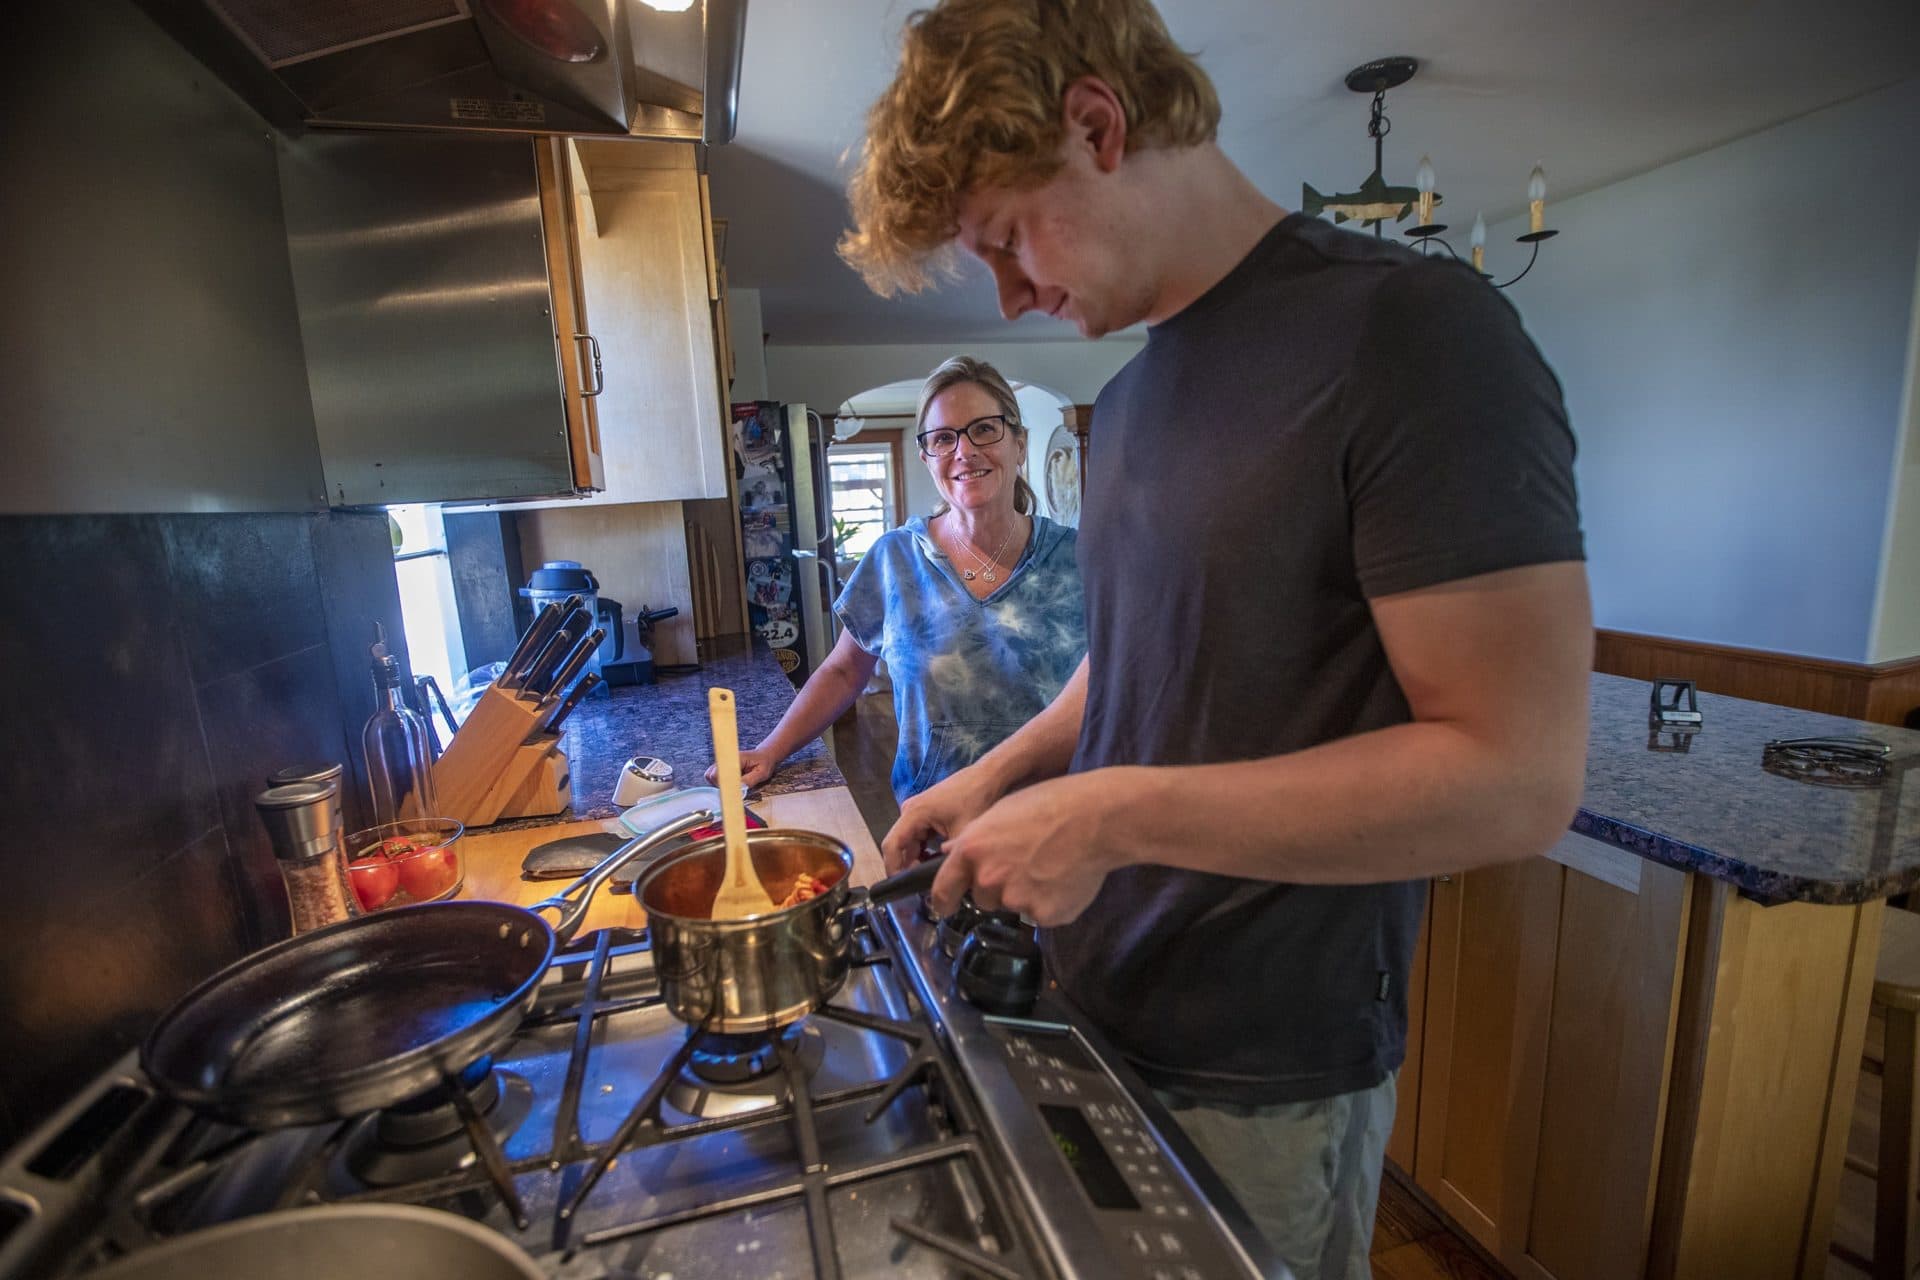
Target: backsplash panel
(105, 765)
(162, 665)
(245, 590)
(286, 711)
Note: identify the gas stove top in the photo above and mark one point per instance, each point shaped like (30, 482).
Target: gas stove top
(898, 1131)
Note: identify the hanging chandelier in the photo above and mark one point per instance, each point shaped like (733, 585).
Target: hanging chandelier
(1375, 201)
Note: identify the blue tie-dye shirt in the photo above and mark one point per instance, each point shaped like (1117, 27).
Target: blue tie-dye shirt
(966, 673)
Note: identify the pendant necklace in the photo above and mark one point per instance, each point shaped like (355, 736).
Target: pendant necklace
(987, 569)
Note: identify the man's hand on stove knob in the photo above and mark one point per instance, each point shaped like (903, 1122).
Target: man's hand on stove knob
(1037, 852)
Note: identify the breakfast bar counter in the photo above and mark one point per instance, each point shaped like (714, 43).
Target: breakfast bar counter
(1637, 1055)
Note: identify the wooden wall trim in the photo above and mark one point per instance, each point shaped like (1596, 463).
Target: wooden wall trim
(1884, 692)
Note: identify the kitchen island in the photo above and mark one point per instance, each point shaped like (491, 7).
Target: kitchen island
(1637, 1054)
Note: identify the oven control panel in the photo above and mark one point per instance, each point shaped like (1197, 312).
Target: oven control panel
(1142, 1199)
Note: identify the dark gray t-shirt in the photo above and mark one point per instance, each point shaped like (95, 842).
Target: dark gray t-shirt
(1336, 420)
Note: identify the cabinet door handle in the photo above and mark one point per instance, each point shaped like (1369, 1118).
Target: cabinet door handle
(1444, 879)
(599, 373)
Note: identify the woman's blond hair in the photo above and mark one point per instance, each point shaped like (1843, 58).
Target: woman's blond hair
(968, 371)
(976, 103)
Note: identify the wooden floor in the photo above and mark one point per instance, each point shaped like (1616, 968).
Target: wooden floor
(1409, 1241)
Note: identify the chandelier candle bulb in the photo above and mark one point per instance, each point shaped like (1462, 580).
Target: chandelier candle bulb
(1537, 199)
(1479, 242)
(1424, 180)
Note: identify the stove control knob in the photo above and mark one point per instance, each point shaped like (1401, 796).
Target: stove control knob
(956, 927)
(999, 968)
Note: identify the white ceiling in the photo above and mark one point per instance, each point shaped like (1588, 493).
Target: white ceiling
(1598, 90)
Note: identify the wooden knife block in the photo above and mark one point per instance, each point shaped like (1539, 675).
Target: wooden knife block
(491, 743)
(547, 790)
(535, 783)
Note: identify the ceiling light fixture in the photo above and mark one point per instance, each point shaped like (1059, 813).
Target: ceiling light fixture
(1375, 201)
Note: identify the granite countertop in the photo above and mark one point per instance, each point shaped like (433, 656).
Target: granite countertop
(668, 719)
(1711, 808)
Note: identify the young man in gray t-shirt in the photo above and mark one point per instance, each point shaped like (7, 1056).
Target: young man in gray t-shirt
(1338, 628)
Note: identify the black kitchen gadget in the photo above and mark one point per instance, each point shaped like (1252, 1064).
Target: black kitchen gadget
(1673, 704)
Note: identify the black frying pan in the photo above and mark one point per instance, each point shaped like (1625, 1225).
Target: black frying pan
(334, 1242)
(366, 1013)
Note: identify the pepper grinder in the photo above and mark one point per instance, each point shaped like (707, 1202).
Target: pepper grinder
(303, 821)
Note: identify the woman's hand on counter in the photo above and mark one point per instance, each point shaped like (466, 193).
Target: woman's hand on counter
(756, 766)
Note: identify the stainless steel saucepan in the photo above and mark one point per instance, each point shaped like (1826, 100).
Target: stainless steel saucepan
(765, 971)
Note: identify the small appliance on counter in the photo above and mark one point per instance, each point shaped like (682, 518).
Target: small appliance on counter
(633, 663)
(566, 580)
(641, 777)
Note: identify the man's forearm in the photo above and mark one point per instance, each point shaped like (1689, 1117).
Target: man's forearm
(1401, 803)
(1042, 747)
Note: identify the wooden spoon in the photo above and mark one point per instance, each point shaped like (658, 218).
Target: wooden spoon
(741, 893)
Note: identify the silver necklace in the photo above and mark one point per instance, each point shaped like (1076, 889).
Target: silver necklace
(987, 568)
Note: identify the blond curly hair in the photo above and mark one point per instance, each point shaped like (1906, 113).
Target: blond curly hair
(976, 103)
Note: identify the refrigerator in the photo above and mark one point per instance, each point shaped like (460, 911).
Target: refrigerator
(786, 531)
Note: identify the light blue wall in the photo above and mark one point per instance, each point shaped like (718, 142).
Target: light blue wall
(1732, 333)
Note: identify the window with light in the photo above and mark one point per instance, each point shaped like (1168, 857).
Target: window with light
(862, 503)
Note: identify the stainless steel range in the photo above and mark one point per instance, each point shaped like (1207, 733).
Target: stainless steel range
(899, 1131)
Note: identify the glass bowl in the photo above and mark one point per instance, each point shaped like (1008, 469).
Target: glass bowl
(413, 860)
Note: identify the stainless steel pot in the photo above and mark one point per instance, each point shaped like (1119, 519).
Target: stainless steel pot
(765, 971)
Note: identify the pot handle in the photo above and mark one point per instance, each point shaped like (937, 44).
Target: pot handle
(915, 879)
(572, 910)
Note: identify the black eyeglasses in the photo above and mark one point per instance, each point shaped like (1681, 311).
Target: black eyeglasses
(942, 441)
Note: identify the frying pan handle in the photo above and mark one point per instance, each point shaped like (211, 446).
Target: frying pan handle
(571, 903)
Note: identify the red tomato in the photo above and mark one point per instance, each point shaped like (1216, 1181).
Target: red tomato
(374, 879)
(427, 874)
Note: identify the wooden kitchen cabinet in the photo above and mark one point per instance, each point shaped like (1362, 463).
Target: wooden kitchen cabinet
(582, 371)
(438, 311)
(641, 240)
(1489, 980)
(1403, 1142)
(1550, 1014)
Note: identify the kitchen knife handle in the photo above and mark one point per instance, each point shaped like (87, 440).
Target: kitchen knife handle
(577, 621)
(536, 635)
(541, 631)
(574, 663)
(551, 655)
(567, 704)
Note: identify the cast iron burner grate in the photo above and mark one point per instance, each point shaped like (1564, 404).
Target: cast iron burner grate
(1828, 762)
(180, 1170)
(646, 1125)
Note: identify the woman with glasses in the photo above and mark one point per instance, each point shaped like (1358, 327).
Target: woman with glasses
(976, 609)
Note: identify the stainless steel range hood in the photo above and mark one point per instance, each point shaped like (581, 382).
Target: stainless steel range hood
(576, 67)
